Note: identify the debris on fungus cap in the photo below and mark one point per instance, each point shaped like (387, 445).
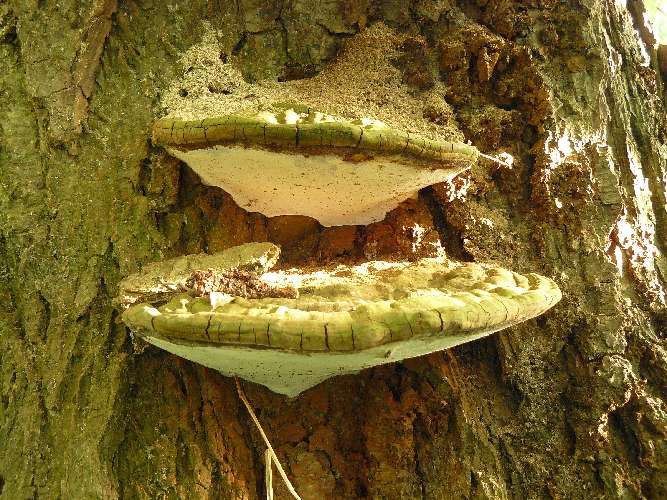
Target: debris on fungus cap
(339, 321)
(164, 278)
(298, 161)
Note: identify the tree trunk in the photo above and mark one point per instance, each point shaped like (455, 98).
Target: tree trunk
(568, 405)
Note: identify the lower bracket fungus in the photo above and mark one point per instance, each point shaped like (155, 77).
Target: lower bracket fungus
(290, 330)
(292, 160)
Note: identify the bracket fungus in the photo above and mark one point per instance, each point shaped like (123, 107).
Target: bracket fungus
(293, 160)
(299, 327)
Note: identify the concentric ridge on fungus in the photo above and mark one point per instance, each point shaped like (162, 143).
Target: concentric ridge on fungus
(304, 162)
(343, 320)
(308, 130)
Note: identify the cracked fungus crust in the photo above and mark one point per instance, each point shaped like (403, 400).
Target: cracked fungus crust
(303, 162)
(343, 320)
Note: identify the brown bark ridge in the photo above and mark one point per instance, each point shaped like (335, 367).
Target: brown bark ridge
(569, 405)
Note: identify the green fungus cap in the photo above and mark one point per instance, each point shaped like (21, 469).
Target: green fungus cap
(293, 160)
(340, 320)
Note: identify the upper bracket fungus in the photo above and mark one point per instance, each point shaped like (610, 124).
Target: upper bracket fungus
(304, 327)
(298, 161)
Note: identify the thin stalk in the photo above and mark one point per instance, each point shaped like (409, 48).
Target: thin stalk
(266, 440)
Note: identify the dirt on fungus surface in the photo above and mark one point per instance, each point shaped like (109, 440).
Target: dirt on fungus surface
(362, 81)
(235, 282)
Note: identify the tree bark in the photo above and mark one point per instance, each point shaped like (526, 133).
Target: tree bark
(571, 404)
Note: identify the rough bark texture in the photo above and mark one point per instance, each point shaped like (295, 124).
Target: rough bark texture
(568, 405)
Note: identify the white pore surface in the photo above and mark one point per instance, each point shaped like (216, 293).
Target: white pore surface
(326, 187)
(291, 373)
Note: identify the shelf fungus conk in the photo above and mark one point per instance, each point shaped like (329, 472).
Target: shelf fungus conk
(290, 330)
(297, 161)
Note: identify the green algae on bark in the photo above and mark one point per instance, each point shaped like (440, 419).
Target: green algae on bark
(342, 320)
